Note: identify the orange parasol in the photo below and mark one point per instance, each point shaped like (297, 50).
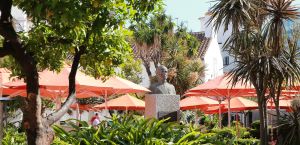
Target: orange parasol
(190, 103)
(125, 102)
(237, 104)
(222, 87)
(4, 78)
(120, 86)
(56, 84)
(283, 103)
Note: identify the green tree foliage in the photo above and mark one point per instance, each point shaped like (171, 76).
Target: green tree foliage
(149, 38)
(92, 32)
(181, 56)
(156, 41)
(265, 55)
(131, 70)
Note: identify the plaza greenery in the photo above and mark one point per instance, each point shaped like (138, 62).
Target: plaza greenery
(130, 129)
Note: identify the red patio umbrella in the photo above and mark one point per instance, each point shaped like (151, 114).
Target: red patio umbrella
(222, 87)
(201, 103)
(215, 110)
(56, 84)
(4, 77)
(125, 102)
(283, 103)
(120, 86)
(237, 104)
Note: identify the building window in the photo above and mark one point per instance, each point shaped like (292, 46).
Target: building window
(226, 61)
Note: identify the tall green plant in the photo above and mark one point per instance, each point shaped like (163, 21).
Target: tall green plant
(180, 55)
(149, 38)
(258, 43)
(156, 40)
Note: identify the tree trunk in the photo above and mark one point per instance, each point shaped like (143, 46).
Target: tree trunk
(276, 101)
(32, 119)
(262, 116)
(259, 83)
(72, 89)
(277, 110)
(266, 130)
(36, 131)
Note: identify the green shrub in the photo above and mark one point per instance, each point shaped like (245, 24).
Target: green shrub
(125, 130)
(13, 137)
(247, 141)
(136, 130)
(224, 132)
(254, 131)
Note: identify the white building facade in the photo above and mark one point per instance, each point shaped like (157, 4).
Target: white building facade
(221, 37)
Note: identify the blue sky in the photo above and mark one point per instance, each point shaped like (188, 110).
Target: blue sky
(188, 11)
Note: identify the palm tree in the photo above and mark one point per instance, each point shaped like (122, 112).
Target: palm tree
(264, 56)
(181, 55)
(148, 38)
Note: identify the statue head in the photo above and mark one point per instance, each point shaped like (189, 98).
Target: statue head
(162, 74)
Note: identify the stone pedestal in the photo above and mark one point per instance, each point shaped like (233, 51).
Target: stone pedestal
(162, 106)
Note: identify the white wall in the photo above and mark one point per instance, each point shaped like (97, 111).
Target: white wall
(213, 60)
(221, 38)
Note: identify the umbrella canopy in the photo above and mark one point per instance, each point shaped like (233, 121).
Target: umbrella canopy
(237, 104)
(125, 102)
(283, 103)
(4, 75)
(241, 104)
(222, 87)
(122, 86)
(5, 78)
(190, 103)
(56, 84)
(215, 110)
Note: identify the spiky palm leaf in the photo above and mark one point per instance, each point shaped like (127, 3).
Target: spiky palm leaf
(264, 57)
(235, 12)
